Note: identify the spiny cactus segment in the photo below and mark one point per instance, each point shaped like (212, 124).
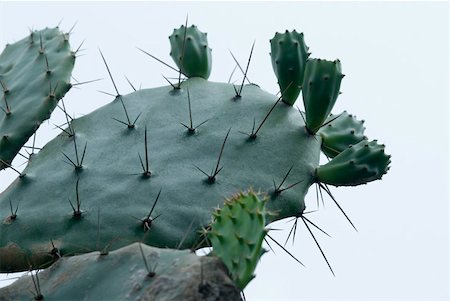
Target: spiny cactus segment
(35, 74)
(339, 132)
(320, 90)
(135, 272)
(358, 164)
(289, 54)
(194, 170)
(237, 233)
(190, 51)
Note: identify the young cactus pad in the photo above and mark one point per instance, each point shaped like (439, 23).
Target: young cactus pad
(236, 235)
(320, 89)
(190, 51)
(340, 131)
(358, 164)
(34, 74)
(289, 54)
(135, 272)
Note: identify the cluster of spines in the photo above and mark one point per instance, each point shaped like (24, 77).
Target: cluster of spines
(237, 233)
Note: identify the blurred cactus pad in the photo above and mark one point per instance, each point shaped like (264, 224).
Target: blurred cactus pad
(157, 165)
(155, 276)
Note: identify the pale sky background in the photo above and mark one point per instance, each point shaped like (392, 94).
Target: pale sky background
(396, 58)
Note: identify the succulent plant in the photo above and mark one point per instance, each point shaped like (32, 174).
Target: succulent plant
(155, 165)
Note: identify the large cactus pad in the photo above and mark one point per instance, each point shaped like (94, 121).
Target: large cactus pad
(108, 172)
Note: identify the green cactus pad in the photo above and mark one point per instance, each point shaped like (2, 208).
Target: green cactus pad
(236, 235)
(34, 74)
(190, 51)
(340, 132)
(320, 89)
(358, 164)
(289, 54)
(111, 177)
(165, 275)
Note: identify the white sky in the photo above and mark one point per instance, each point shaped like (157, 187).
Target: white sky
(396, 58)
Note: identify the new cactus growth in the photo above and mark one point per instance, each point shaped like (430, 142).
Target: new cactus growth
(35, 74)
(237, 233)
(289, 54)
(358, 164)
(156, 176)
(320, 89)
(190, 51)
(340, 131)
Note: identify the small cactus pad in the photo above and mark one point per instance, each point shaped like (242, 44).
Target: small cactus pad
(135, 272)
(34, 74)
(358, 164)
(109, 172)
(236, 235)
(320, 90)
(339, 132)
(190, 51)
(289, 54)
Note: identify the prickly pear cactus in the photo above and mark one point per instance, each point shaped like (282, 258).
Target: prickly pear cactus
(35, 73)
(135, 272)
(237, 233)
(152, 165)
